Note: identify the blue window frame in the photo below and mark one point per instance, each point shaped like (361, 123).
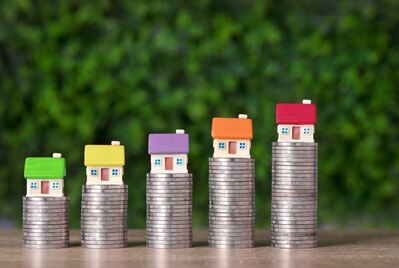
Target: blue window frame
(306, 130)
(33, 185)
(55, 185)
(115, 172)
(243, 145)
(284, 130)
(179, 161)
(93, 172)
(222, 145)
(157, 162)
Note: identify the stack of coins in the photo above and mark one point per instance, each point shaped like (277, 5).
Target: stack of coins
(294, 195)
(169, 210)
(104, 216)
(231, 202)
(46, 222)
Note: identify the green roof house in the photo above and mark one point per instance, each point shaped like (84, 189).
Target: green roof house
(45, 175)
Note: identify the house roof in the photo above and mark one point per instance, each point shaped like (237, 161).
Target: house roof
(232, 128)
(104, 155)
(44, 168)
(295, 113)
(168, 143)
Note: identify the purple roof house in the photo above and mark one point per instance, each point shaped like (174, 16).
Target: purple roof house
(169, 152)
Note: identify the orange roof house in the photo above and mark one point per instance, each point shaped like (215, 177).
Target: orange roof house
(232, 136)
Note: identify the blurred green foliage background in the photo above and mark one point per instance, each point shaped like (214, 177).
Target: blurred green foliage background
(88, 72)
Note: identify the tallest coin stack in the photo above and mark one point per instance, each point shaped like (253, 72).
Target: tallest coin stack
(231, 184)
(294, 177)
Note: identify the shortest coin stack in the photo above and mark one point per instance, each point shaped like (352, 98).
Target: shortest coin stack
(231, 202)
(104, 216)
(294, 195)
(46, 222)
(169, 210)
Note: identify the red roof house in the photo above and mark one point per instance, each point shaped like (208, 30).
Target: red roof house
(295, 113)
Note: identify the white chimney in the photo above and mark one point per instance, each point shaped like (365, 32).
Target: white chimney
(115, 143)
(243, 116)
(180, 131)
(57, 155)
(306, 102)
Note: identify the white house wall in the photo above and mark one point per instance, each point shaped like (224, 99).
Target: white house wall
(304, 137)
(52, 192)
(161, 167)
(240, 153)
(96, 179)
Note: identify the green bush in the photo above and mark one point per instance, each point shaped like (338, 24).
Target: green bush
(87, 72)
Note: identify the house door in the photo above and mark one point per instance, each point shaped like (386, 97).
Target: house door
(44, 187)
(105, 174)
(168, 163)
(232, 147)
(296, 133)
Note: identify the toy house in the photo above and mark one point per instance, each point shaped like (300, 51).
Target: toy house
(232, 137)
(169, 152)
(45, 175)
(104, 163)
(296, 122)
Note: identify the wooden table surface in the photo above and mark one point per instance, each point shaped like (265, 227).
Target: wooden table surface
(337, 249)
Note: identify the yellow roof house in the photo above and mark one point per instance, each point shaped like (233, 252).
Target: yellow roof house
(104, 155)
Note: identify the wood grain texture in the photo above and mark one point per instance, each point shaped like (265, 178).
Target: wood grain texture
(337, 249)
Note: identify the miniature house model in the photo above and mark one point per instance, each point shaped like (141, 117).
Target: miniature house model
(232, 137)
(168, 152)
(45, 175)
(296, 122)
(104, 163)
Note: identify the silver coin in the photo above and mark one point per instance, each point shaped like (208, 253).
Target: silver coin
(104, 244)
(227, 208)
(175, 207)
(53, 222)
(285, 239)
(168, 215)
(294, 246)
(183, 221)
(45, 206)
(57, 242)
(89, 197)
(102, 220)
(296, 230)
(170, 184)
(170, 195)
(231, 198)
(45, 209)
(45, 198)
(117, 207)
(293, 202)
(294, 217)
(46, 231)
(182, 190)
(151, 240)
(295, 226)
(168, 237)
(105, 190)
(122, 245)
(288, 211)
(91, 232)
(46, 235)
(105, 186)
(294, 187)
(223, 225)
(232, 214)
(186, 234)
(43, 226)
(101, 210)
(233, 159)
(294, 242)
(166, 219)
(285, 162)
(158, 245)
(247, 184)
(173, 229)
(163, 211)
(233, 220)
(231, 242)
(47, 246)
(32, 216)
(231, 246)
(46, 239)
(101, 239)
(297, 144)
(174, 232)
(294, 184)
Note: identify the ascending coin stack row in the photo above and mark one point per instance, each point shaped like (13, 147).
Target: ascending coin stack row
(104, 216)
(231, 202)
(46, 222)
(169, 210)
(294, 195)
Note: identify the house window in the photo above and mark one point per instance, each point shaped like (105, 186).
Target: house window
(221, 145)
(93, 172)
(33, 185)
(115, 172)
(157, 162)
(284, 131)
(179, 161)
(243, 145)
(56, 185)
(306, 130)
